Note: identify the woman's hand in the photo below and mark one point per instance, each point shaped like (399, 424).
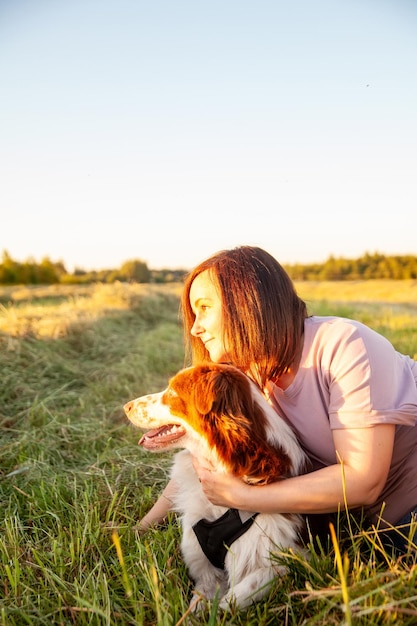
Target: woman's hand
(220, 488)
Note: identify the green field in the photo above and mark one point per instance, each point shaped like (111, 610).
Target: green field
(74, 483)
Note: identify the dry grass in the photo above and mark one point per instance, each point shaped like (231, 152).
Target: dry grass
(382, 291)
(51, 311)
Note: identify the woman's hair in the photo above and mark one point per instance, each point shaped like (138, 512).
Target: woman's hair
(263, 317)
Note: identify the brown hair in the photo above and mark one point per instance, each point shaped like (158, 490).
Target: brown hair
(263, 317)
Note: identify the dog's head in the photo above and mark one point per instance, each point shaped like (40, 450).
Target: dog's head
(214, 410)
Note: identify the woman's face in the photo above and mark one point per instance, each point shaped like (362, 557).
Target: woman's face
(206, 304)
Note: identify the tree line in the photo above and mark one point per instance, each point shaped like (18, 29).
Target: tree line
(368, 266)
(47, 272)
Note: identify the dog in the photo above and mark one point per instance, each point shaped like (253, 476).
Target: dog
(216, 412)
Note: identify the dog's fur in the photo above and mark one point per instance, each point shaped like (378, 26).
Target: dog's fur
(214, 411)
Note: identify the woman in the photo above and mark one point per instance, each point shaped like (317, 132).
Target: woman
(348, 395)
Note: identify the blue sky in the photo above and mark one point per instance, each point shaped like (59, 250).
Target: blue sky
(167, 130)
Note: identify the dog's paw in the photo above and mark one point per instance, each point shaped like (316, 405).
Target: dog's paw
(197, 603)
(252, 588)
(228, 603)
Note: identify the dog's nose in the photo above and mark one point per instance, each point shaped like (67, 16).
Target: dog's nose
(128, 407)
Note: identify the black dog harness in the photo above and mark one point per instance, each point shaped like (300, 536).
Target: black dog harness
(215, 538)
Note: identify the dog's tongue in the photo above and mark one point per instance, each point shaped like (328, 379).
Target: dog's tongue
(153, 433)
(162, 435)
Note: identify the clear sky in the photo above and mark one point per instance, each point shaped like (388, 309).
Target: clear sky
(165, 130)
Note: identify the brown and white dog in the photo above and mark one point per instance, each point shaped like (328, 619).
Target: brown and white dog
(216, 412)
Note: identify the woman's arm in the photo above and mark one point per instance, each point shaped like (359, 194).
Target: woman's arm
(159, 510)
(358, 479)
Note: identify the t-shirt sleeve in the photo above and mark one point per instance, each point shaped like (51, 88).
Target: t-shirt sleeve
(369, 382)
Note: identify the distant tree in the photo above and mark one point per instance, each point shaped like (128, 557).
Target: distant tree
(78, 271)
(50, 273)
(167, 276)
(136, 271)
(9, 270)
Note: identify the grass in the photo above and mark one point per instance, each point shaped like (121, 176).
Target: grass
(73, 482)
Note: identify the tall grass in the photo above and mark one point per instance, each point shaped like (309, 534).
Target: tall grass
(73, 482)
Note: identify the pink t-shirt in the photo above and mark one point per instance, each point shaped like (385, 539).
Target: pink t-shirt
(351, 377)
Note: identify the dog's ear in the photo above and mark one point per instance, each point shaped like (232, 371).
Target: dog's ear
(204, 391)
(221, 392)
(225, 394)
